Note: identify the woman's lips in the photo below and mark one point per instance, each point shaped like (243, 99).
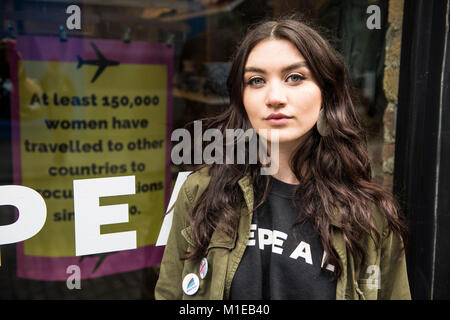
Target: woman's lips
(277, 119)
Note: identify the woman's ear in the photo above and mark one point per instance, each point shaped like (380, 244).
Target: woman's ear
(321, 124)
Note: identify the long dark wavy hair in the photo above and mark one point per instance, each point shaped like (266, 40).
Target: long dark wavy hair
(334, 170)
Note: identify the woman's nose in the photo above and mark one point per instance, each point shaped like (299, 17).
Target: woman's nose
(276, 96)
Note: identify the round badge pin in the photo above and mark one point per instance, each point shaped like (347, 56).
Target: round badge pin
(191, 284)
(203, 268)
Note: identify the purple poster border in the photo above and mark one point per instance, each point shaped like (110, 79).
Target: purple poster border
(34, 48)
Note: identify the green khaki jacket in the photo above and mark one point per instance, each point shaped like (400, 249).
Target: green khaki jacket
(384, 275)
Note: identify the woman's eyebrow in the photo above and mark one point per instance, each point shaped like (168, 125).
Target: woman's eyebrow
(294, 66)
(283, 70)
(253, 69)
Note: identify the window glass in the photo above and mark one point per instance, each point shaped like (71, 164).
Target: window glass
(89, 97)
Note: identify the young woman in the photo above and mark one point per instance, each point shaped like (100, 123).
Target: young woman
(316, 229)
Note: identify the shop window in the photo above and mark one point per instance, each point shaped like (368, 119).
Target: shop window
(102, 101)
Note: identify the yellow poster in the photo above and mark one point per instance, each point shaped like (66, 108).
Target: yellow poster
(90, 109)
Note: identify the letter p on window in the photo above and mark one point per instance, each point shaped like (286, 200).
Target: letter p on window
(32, 213)
(89, 215)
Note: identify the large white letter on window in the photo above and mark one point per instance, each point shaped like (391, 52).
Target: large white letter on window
(32, 213)
(167, 223)
(89, 215)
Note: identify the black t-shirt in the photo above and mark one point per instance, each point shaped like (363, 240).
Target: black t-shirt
(282, 262)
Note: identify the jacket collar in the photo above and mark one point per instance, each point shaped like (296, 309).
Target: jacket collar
(247, 189)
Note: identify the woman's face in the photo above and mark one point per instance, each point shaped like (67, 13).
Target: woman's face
(280, 92)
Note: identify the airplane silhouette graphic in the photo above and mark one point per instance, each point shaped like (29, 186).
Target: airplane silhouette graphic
(101, 62)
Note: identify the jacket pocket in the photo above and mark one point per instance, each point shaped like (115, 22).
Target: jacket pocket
(218, 239)
(221, 240)
(187, 235)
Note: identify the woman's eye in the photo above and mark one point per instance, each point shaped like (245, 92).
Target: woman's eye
(295, 77)
(255, 81)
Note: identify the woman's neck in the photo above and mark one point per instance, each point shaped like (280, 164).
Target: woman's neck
(284, 172)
